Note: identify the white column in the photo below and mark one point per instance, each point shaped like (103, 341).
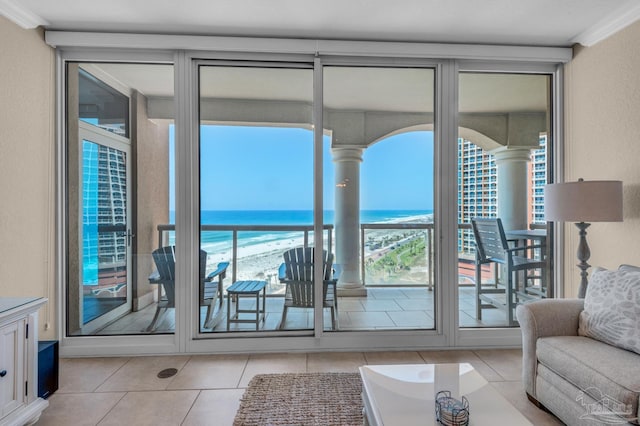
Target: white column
(347, 219)
(512, 186)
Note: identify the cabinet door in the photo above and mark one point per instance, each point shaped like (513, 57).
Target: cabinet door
(12, 344)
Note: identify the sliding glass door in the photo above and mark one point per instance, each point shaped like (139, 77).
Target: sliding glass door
(380, 196)
(105, 286)
(256, 194)
(503, 164)
(99, 286)
(119, 195)
(380, 163)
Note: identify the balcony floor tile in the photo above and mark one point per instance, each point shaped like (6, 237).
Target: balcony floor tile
(352, 312)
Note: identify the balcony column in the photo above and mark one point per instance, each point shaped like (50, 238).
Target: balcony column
(512, 186)
(347, 219)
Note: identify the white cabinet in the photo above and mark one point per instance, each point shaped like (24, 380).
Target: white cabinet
(12, 395)
(19, 403)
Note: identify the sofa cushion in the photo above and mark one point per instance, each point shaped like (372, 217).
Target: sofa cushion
(559, 396)
(598, 369)
(612, 308)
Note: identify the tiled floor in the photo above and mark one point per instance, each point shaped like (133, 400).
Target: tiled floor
(208, 388)
(382, 308)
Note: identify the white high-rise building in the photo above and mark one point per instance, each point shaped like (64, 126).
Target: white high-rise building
(538, 179)
(478, 187)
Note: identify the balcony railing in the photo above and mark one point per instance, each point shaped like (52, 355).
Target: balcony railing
(398, 248)
(306, 230)
(391, 248)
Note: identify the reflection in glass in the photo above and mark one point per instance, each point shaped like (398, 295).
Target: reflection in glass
(101, 105)
(115, 211)
(104, 254)
(503, 165)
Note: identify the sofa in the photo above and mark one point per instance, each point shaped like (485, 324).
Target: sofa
(581, 357)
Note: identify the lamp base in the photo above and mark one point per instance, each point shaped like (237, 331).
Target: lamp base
(583, 255)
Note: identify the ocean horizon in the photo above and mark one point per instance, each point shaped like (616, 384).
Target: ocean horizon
(212, 241)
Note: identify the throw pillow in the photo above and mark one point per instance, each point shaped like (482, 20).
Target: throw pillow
(612, 308)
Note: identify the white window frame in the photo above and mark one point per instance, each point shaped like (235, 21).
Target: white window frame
(182, 51)
(477, 337)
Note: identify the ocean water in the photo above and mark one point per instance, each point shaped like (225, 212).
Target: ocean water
(222, 240)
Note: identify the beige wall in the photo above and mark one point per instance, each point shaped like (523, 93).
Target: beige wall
(27, 203)
(151, 192)
(602, 119)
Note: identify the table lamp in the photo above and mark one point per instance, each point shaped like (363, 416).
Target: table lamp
(583, 202)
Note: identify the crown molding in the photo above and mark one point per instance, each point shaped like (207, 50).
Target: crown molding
(610, 24)
(19, 15)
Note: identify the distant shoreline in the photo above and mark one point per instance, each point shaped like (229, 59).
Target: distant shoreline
(261, 260)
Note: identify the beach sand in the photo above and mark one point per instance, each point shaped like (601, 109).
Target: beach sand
(258, 261)
(261, 261)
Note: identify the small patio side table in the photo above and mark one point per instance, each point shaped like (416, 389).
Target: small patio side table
(243, 288)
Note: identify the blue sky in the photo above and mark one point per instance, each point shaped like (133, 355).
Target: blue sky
(268, 168)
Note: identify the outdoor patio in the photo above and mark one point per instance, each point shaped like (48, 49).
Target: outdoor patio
(383, 308)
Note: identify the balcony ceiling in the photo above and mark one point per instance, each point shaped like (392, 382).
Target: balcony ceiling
(522, 22)
(355, 89)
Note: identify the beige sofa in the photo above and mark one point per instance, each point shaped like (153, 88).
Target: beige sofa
(583, 381)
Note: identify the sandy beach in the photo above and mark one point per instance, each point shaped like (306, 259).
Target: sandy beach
(257, 261)
(261, 260)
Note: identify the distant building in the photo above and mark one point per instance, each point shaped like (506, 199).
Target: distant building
(478, 188)
(538, 179)
(103, 208)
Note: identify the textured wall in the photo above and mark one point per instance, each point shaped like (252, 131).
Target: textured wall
(151, 191)
(602, 119)
(27, 203)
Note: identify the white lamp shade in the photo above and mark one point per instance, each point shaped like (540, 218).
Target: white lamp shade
(584, 201)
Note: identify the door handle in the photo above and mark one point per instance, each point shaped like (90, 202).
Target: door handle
(3, 373)
(130, 237)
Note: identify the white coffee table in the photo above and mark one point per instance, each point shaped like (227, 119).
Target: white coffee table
(404, 395)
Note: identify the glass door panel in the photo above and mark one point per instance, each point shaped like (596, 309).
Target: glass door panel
(503, 164)
(256, 195)
(379, 194)
(105, 290)
(120, 179)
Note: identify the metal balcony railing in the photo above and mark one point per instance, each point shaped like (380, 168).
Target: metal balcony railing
(397, 237)
(235, 229)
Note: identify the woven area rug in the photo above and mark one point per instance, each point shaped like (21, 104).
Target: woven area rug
(302, 399)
